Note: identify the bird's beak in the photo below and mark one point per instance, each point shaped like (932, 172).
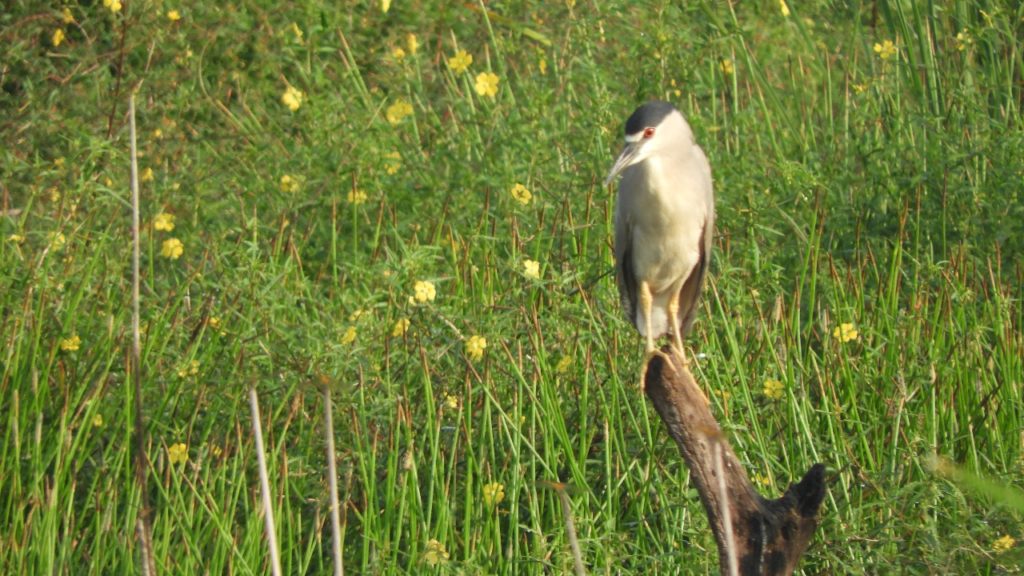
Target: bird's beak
(626, 158)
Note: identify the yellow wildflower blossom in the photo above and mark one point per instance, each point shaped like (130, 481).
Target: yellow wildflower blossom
(57, 240)
(349, 336)
(783, 8)
(66, 16)
(289, 184)
(190, 369)
(451, 402)
(542, 66)
(886, 49)
(57, 38)
(172, 248)
(487, 84)
(71, 344)
(147, 175)
(435, 554)
(412, 43)
(97, 421)
(494, 493)
(16, 239)
(963, 40)
(164, 222)
(112, 5)
(564, 364)
(397, 53)
(1003, 544)
(398, 111)
(460, 62)
(400, 328)
(292, 98)
(521, 194)
(845, 332)
(296, 31)
(392, 162)
(356, 196)
(773, 389)
(177, 453)
(173, 15)
(424, 291)
(727, 67)
(214, 322)
(531, 269)
(385, 5)
(475, 347)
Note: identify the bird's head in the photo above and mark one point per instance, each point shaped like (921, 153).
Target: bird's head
(654, 127)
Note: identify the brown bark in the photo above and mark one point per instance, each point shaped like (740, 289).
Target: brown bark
(768, 536)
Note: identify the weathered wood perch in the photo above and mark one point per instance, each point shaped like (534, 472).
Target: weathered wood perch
(768, 536)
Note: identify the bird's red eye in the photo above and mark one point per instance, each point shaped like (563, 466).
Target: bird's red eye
(648, 132)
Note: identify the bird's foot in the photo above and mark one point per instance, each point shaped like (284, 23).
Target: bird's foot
(647, 362)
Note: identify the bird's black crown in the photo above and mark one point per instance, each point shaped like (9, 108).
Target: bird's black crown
(650, 114)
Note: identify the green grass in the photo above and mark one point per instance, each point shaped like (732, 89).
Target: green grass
(886, 193)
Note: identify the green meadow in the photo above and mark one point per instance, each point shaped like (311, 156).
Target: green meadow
(403, 202)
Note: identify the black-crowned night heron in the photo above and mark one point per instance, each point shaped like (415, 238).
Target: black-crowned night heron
(664, 217)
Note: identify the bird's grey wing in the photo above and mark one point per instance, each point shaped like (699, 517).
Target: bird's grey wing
(624, 276)
(689, 295)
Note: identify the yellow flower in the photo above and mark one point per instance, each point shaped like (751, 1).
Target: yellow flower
(66, 16)
(292, 98)
(71, 344)
(289, 184)
(487, 84)
(57, 240)
(349, 336)
(412, 43)
(542, 66)
(113, 5)
(356, 196)
(400, 328)
(521, 194)
(531, 269)
(435, 553)
(783, 8)
(177, 453)
(385, 5)
(424, 291)
(963, 40)
(147, 175)
(16, 238)
(190, 369)
(216, 451)
(97, 421)
(845, 332)
(475, 347)
(397, 53)
(886, 49)
(494, 493)
(214, 322)
(172, 248)
(858, 88)
(392, 162)
(164, 222)
(761, 480)
(296, 31)
(398, 111)
(1003, 544)
(173, 15)
(564, 364)
(451, 402)
(57, 38)
(727, 67)
(460, 62)
(773, 389)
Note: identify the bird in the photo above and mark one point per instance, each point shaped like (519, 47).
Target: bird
(664, 221)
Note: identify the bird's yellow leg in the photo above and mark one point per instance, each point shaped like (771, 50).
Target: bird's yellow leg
(673, 321)
(646, 303)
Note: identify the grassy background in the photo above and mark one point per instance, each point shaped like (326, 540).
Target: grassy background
(851, 188)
